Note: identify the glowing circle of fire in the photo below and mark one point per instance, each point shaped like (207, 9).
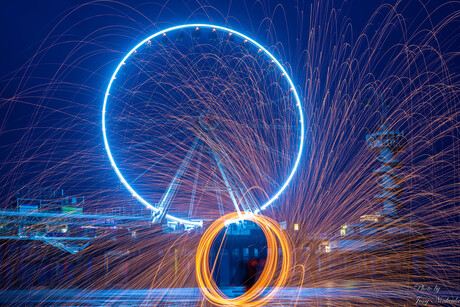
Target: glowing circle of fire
(255, 296)
(210, 112)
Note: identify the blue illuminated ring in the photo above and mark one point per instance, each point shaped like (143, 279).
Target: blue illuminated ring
(278, 64)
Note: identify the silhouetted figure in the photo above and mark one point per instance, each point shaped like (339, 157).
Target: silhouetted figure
(251, 274)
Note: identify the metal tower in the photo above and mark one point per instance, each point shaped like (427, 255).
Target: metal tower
(387, 143)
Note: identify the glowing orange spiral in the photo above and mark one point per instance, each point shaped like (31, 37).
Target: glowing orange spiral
(253, 297)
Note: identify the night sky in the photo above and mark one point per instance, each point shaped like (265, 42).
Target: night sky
(50, 130)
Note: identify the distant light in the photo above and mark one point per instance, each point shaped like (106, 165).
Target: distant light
(296, 227)
(343, 230)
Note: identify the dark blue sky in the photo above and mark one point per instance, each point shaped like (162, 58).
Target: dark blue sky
(38, 36)
(25, 24)
(91, 38)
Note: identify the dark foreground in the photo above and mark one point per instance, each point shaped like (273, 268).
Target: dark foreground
(418, 295)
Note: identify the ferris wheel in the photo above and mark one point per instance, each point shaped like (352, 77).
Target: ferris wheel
(200, 120)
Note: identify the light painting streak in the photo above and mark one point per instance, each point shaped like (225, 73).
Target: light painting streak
(276, 239)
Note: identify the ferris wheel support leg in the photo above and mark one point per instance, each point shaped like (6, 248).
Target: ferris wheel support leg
(247, 201)
(195, 183)
(170, 193)
(219, 196)
(227, 184)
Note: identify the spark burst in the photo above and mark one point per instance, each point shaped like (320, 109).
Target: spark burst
(394, 66)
